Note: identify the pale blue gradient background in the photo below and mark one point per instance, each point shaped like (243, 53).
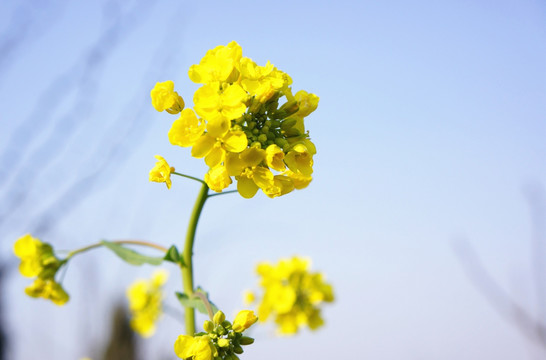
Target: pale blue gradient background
(430, 129)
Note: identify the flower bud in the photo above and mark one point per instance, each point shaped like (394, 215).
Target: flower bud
(223, 343)
(208, 326)
(288, 123)
(218, 317)
(237, 349)
(246, 340)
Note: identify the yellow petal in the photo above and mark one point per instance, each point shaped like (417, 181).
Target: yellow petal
(235, 141)
(246, 187)
(203, 146)
(183, 345)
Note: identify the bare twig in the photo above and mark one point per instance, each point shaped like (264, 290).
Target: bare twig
(499, 299)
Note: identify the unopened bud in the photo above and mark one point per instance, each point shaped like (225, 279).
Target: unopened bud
(223, 342)
(288, 123)
(218, 317)
(208, 326)
(246, 340)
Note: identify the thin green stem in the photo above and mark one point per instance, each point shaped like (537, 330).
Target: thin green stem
(223, 193)
(187, 269)
(188, 176)
(128, 242)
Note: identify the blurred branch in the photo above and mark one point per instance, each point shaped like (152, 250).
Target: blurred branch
(499, 299)
(82, 78)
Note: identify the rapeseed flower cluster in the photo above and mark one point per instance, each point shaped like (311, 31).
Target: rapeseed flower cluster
(38, 261)
(145, 303)
(221, 340)
(246, 123)
(291, 294)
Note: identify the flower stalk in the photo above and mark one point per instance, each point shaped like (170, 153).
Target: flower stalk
(187, 269)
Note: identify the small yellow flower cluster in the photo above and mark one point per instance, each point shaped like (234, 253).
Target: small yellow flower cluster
(221, 339)
(38, 261)
(292, 294)
(145, 298)
(238, 127)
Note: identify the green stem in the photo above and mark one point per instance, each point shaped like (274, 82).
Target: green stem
(128, 242)
(223, 193)
(187, 269)
(188, 177)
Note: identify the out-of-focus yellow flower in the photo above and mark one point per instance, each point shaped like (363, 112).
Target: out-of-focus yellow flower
(248, 297)
(38, 261)
(34, 254)
(292, 295)
(221, 339)
(249, 124)
(48, 289)
(165, 98)
(161, 172)
(145, 298)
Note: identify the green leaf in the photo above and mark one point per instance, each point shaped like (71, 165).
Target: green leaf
(196, 302)
(131, 256)
(174, 256)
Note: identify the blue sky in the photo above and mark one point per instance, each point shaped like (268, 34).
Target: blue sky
(430, 132)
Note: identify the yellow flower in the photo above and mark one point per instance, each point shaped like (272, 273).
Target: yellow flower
(161, 172)
(38, 260)
(307, 103)
(218, 65)
(195, 348)
(187, 129)
(214, 149)
(34, 255)
(292, 295)
(262, 82)
(300, 181)
(248, 125)
(219, 107)
(217, 178)
(300, 160)
(244, 320)
(165, 98)
(251, 179)
(274, 157)
(48, 289)
(145, 298)
(221, 339)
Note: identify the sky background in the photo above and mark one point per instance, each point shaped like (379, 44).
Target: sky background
(430, 137)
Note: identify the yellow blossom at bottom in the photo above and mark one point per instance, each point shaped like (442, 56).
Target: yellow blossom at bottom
(48, 289)
(196, 348)
(292, 294)
(221, 340)
(145, 298)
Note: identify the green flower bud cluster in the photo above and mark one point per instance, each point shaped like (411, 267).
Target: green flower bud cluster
(267, 124)
(228, 343)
